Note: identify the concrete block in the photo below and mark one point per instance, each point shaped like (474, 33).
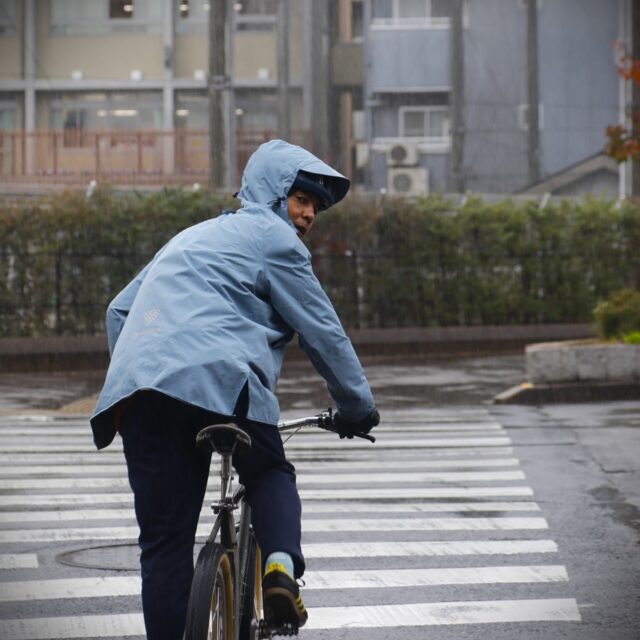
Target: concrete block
(623, 362)
(592, 362)
(548, 362)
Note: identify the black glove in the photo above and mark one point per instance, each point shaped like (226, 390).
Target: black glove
(349, 428)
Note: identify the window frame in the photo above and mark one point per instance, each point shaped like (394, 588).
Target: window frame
(104, 25)
(427, 110)
(9, 21)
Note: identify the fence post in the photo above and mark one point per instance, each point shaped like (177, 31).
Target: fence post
(97, 154)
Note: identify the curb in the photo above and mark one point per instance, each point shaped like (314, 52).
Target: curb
(530, 394)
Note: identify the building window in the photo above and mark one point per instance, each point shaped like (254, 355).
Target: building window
(7, 17)
(357, 20)
(256, 15)
(424, 122)
(416, 14)
(104, 17)
(256, 7)
(8, 115)
(121, 9)
(77, 113)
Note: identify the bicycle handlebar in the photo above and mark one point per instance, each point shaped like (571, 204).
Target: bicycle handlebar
(323, 420)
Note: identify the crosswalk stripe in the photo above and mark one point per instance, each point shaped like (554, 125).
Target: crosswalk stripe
(117, 586)
(396, 578)
(119, 625)
(415, 493)
(426, 524)
(400, 493)
(326, 525)
(119, 482)
(115, 455)
(444, 613)
(422, 614)
(119, 467)
(325, 444)
(54, 430)
(18, 561)
(398, 549)
(66, 515)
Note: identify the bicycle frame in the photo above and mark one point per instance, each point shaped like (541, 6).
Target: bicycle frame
(235, 537)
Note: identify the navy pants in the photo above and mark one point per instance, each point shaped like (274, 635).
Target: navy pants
(168, 475)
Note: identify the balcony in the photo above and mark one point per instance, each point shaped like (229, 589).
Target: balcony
(74, 157)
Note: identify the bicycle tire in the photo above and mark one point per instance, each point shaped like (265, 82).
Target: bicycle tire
(251, 596)
(210, 609)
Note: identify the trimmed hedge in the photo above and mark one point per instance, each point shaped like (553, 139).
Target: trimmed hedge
(385, 263)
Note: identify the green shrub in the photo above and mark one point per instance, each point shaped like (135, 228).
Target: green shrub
(385, 262)
(632, 338)
(618, 315)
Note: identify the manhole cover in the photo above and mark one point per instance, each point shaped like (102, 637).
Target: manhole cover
(112, 557)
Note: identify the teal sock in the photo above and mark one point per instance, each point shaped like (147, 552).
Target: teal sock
(280, 557)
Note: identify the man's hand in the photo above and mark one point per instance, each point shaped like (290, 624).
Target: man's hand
(349, 428)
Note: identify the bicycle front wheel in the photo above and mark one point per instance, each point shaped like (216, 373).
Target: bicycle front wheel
(210, 610)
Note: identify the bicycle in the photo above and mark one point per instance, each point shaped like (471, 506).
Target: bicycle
(225, 602)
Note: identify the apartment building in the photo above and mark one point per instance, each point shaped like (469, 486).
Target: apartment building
(407, 96)
(448, 87)
(119, 88)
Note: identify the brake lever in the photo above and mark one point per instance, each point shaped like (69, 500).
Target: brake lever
(365, 436)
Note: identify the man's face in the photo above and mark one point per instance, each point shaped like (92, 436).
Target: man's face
(303, 208)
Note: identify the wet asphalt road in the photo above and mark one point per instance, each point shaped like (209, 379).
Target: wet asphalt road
(582, 462)
(395, 382)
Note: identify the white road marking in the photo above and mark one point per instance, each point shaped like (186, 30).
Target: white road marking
(119, 467)
(113, 455)
(427, 548)
(399, 493)
(295, 444)
(397, 524)
(421, 614)
(18, 561)
(415, 493)
(396, 578)
(425, 524)
(119, 625)
(66, 515)
(117, 586)
(120, 482)
(57, 430)
(444, 613)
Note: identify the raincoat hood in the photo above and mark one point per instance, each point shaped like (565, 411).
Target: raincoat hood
(272, 170)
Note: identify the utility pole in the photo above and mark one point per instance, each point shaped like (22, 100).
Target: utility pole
(533, 92)
(457, 97)
(284, 102)
(218, 83)
(635, 94)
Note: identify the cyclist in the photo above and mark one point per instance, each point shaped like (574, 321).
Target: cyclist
(199, 337)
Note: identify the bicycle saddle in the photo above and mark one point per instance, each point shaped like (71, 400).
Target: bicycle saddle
(226, 439)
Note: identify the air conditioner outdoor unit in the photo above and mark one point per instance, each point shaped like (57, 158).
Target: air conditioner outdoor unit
(408, 181)
(402, 154)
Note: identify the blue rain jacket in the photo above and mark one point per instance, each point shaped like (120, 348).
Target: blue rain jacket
(214, 309)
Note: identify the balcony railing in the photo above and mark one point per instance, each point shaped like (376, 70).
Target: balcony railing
(74, 157)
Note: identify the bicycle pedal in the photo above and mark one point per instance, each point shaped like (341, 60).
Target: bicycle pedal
(265, 630)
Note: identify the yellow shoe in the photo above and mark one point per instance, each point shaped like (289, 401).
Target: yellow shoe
(282, 601)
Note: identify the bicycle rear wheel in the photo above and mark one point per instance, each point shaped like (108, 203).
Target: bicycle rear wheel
(251, 572)
(210, 610)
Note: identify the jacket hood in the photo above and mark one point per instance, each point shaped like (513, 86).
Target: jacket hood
(272, 169)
